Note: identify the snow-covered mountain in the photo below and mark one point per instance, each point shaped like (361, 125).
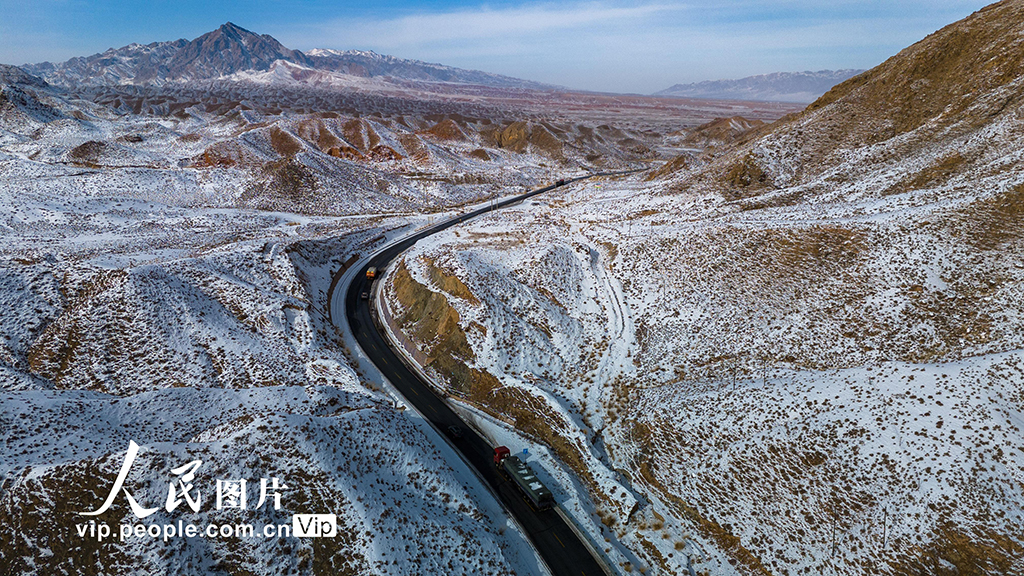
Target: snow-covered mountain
(227, 50)
(135, 63)
(13, 75)
(370, 64)
(231, 49)
(775, 87)
(224, 51)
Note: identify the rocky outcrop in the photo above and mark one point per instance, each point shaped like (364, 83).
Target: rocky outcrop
(446, 129)
(520, 137)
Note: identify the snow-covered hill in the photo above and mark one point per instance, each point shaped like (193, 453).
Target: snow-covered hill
(252, 146)
(145, 302)
(333, 449)
(200, 334)
(802, 349)
(151, 295)
(757, 376)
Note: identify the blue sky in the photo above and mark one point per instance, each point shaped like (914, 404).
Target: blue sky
(621, 46)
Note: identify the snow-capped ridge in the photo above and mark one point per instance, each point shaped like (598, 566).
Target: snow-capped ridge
(231, 49)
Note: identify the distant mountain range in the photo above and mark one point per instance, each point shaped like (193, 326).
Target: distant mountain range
(231, 49)
(776, 87)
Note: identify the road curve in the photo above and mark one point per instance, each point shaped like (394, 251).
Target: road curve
(556, 542)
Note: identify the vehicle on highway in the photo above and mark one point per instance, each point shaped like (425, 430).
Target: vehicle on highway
(522, 476)
(371, 273)
(364, 296)
(560, 182)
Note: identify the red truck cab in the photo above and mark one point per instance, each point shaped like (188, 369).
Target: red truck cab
(500, 453)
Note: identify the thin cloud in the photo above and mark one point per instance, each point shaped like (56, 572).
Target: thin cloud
(489, 24)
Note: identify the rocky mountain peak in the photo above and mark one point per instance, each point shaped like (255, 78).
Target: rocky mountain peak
(227, 50)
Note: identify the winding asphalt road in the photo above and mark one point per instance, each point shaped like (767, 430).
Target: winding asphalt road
(563, 552)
